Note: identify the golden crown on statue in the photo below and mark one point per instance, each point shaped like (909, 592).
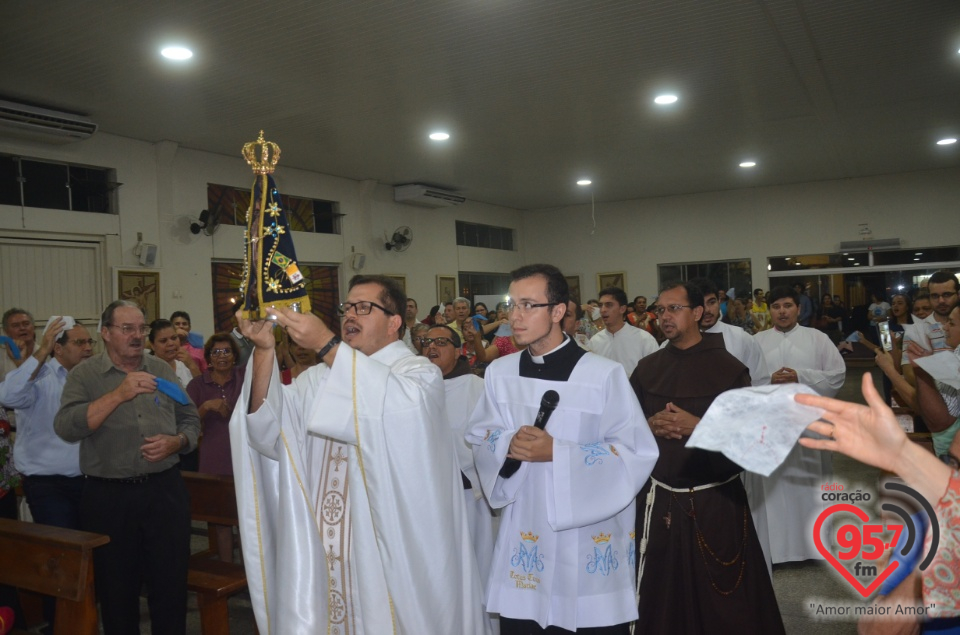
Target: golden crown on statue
(268, 152)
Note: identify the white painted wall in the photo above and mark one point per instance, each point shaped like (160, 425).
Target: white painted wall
(165, 186)
(920, 208)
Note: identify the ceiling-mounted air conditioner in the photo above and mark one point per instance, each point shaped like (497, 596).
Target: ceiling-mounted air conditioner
(42, 124)
(425, 196)
(880, 244)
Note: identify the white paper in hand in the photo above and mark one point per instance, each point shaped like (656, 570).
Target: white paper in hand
(944, 367)
(755, 427)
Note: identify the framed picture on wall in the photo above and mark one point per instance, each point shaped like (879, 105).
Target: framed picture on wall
(446, 289)
(141, 286)
(573, 282)
(612, 279)
(401, 280)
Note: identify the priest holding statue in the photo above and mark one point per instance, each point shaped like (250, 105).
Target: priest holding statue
(349, 493)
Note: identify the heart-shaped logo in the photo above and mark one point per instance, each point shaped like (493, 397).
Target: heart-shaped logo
(865, 591)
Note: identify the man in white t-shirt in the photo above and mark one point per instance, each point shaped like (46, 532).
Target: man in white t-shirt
(619, 341)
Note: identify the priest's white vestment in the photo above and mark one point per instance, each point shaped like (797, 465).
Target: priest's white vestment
(791, 497)
(351, 504)
(566, 548)
(462, 395)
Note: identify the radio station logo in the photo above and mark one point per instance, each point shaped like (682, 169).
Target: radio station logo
(859, 542)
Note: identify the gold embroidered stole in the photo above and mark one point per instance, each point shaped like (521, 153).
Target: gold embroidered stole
(333, 518)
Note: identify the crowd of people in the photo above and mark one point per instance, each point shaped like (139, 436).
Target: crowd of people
(516, 469)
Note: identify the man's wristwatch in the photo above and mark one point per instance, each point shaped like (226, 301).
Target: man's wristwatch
(326, 349)
(183, 440)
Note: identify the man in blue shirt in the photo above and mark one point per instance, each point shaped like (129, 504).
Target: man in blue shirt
(50, 467)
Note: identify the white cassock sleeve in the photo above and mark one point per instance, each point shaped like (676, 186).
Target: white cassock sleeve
(283, 551)
(827, 371)
(618, 466)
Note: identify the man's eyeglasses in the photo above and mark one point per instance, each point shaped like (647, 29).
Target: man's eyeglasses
(82, 343)
(221, 352)
(672, 309)
(362, 308)
(946, 296)
(526, 307)
(439, 341)
(129, 329)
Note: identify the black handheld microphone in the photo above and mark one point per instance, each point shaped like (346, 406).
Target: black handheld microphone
(547, 405)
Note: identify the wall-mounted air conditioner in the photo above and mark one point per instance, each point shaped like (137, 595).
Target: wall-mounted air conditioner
(425, 196)
(42, 124)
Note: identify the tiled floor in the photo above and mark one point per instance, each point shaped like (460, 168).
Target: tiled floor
(797, 585)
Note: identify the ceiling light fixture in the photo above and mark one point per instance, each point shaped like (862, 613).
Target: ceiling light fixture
(176, 53)
(916, 259)
(584, 182)
(748, 164)
(439, 136)
(919, 253)
(851, 258)
(664, 100)
(946, 142)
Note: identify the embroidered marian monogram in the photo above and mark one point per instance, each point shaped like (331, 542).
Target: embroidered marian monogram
(528, 560)
(491, 439)
(604, 559)
(594, 453)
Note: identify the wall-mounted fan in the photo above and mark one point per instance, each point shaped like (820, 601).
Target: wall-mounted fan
(401, 239)
(209, 223)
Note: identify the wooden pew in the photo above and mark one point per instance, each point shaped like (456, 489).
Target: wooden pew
(57, 562)
(213, 500)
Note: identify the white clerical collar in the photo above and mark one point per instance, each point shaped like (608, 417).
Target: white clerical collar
(716, 328)
(538, 359)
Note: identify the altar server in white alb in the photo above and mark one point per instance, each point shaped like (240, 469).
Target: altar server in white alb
(566, 552)
(350, 498)
(620, 341)
(463, 390)
(746, 349)
(791, 497)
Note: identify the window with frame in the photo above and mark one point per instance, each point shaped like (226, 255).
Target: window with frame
(45, 184)
(487, 236)
(304, 214)
(323, 287)
(474, 283)
(726, 274)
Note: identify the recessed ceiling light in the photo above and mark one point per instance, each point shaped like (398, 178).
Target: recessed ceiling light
(748, 164)
(439, 136)
(851, 258)
(846, 253)
(916, 259)
(856, 264)
(919, 253)
(946, 142)
(664, 100)
(584, 182)
(787, 259)
(177, 53)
